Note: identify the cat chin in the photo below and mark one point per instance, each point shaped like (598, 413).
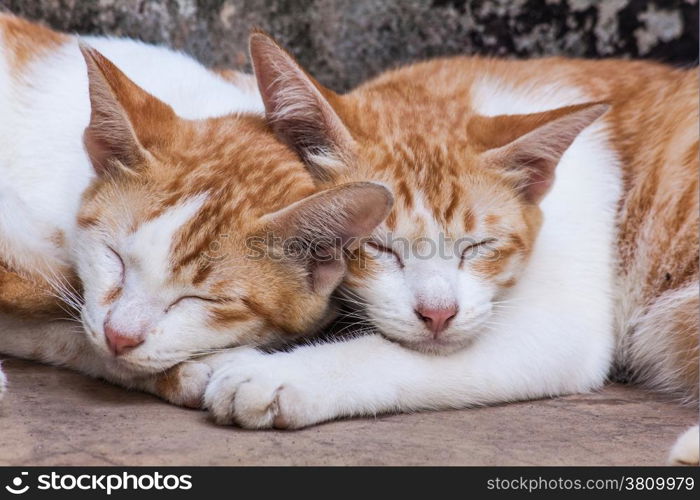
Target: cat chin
(456, 338)
(434, 347)
(129, 368)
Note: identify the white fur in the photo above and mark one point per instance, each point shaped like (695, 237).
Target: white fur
(587, 176)
(686, 451)
(143, 307)
(554, 337)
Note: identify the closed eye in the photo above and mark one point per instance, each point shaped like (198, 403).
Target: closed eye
(213, 300)
(473, 249)
(386, 250)
(122, 267)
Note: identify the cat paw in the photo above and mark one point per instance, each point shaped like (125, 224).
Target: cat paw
(258, 391)
(686, 451)
(184, 384)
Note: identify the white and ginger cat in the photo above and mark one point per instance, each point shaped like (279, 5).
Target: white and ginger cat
(133, 198)
(516, 285)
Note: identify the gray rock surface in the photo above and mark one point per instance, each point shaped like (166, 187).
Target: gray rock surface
(53, 417)
(343, 42)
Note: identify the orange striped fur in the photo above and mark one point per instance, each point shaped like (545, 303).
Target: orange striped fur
(415, 129)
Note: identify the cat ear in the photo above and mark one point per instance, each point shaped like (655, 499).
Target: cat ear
(530, 146)
(123, 117)
(300, 110)
(323, 228)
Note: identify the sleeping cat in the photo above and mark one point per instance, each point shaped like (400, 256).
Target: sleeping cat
(515, 285)
(133, 199)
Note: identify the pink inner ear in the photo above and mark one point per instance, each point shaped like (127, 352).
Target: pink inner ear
(98, 151)
(534, 155)
(326, 275)
(539, 180)
(329, 223)
(102, 152)
(122, 115)
(301, 111)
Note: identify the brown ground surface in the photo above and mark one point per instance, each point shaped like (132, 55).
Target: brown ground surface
(56, 417)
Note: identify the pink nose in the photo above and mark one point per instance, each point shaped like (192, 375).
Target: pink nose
(120, 342)
(436, 318)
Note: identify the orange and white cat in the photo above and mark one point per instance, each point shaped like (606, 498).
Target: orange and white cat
(134, 197)
(516, 282)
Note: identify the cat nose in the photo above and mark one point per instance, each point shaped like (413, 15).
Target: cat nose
(436, 318)
(120, 342)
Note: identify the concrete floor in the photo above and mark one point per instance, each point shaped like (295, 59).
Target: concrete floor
(56, 417)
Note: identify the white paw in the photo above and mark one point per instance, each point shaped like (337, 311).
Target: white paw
(260, 391)
(184, 384)
(686, 451)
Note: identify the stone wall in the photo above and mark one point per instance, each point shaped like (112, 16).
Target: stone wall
(343, 42)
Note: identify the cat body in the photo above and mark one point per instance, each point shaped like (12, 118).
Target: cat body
(132, 195)
(580, 219)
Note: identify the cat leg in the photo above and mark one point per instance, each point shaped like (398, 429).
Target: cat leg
(370, 375)
(57, 342)
(686, 451)
(63, 343)
(184, 384)
(662, 352)
(28, 297)
(662, 348)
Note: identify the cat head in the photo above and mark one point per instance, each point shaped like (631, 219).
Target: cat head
(467, 188)
(182, 236)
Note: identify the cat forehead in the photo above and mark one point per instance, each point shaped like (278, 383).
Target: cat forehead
(235, 169)
(152, 241)
(454, 212)
(184, 243)
(417, 143)
(436, 184)
(234, 158)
